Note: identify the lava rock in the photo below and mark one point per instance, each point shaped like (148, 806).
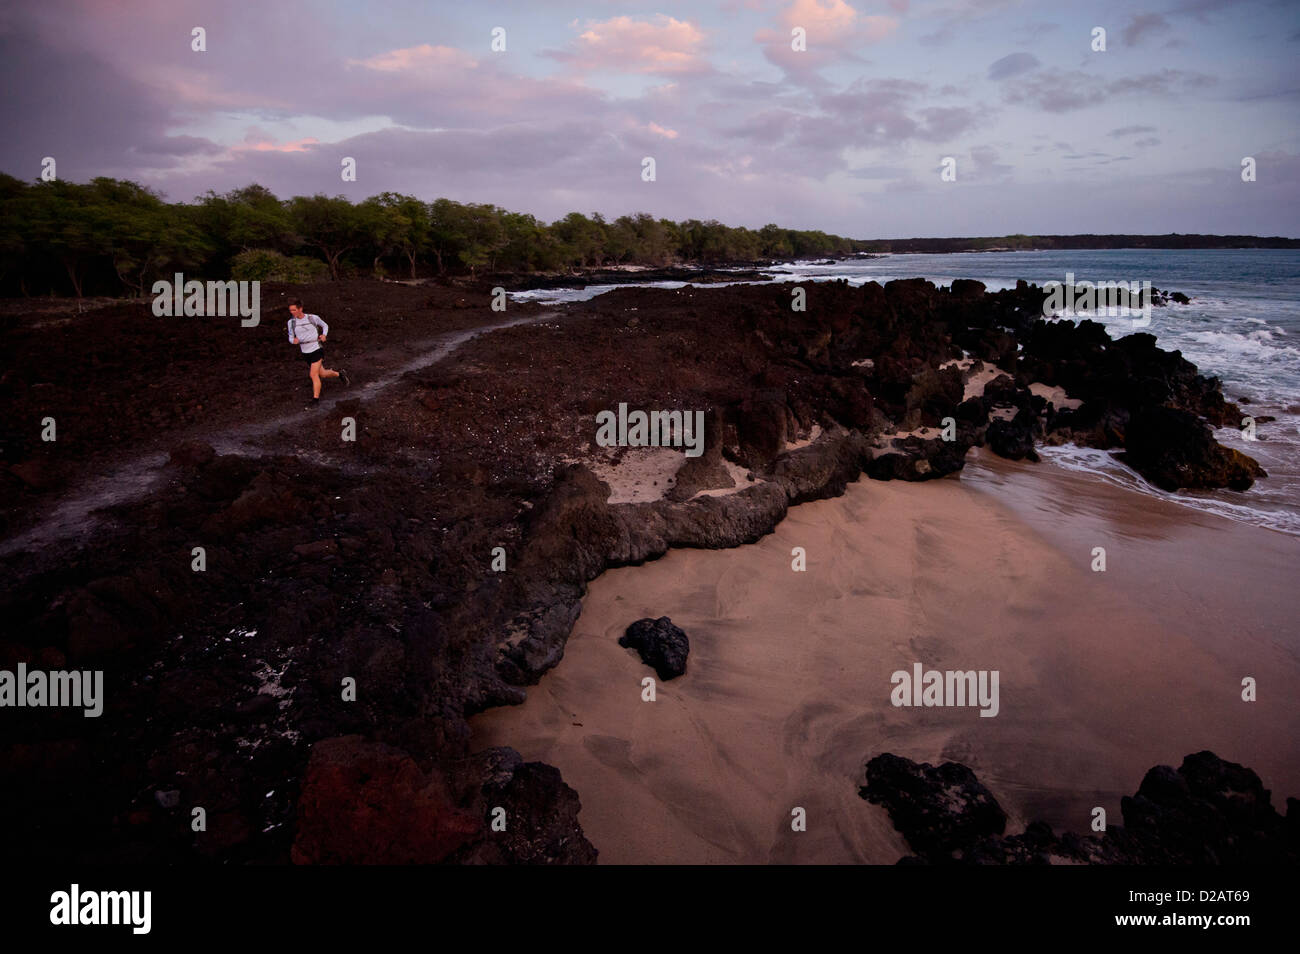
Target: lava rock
(939, 810)
(916, 458)
(707, 471)
(1013, 439)
(967, 288)
(1173, 448)
(661, 644)
(541, 814)
(366, 802)
(763, 426)
(1208, 811)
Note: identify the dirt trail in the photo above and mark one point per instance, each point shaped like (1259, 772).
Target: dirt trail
(75, 513)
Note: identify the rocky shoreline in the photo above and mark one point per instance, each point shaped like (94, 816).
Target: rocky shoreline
(696, 275)
(1207, 812)
(372, 561)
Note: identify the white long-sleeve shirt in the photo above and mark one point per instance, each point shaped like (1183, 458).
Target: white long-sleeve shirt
(304, 329)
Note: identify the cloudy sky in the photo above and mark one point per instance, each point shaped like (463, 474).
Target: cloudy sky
(847, 135)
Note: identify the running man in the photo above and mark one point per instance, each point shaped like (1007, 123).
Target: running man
(308, 333)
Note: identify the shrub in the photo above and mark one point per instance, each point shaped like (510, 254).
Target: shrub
(268, 265)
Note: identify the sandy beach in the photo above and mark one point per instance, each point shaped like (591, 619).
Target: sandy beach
(787, 692)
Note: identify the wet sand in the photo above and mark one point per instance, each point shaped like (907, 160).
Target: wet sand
(787, 692)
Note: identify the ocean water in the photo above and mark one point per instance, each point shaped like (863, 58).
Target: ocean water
(1242, 325)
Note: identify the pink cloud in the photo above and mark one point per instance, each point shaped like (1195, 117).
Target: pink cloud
(416, 59)
(628, 45)
(258, 141)
(833, 29)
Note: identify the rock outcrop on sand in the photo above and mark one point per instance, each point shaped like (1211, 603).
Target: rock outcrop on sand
(661, 645)
(1208, 811)
(440, 559)
(1174, 448)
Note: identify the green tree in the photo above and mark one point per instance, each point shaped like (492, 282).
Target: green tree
(774, 242)
(524, 242)
(145, 235)
(402, 226)
(448, 223)
(65, 227)
(15, 214)
(484, 237)
(332, 225)
(581, 239)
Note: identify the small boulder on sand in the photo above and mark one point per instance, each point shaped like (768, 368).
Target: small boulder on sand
(661, 645)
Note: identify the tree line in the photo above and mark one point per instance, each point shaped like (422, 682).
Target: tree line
(112, 236)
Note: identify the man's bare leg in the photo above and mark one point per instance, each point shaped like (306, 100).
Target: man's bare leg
(340, 373)
(315, 378)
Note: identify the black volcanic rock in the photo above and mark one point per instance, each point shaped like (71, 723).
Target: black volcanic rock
(763, 427)
(917, 458)
(967, 288)
(1173, 448)
(940, 811)
(707, 471)
(1208, 811)
(934, 395)
(540, 813)
(1013, 439)
(1094, 424)
(1131, 372)
(661, 644)
(973, 412)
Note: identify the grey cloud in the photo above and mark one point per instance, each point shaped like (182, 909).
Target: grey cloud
(879, 172)
(1143, 24)
(944, 122)
(78, 109)
(876, 113)
(1013, 65)
(179, 146)
(1064, 92)
(984, 165)
(1031, 32)
(1165, 83)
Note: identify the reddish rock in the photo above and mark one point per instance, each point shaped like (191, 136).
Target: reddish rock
(365, 802)
(226, 830)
